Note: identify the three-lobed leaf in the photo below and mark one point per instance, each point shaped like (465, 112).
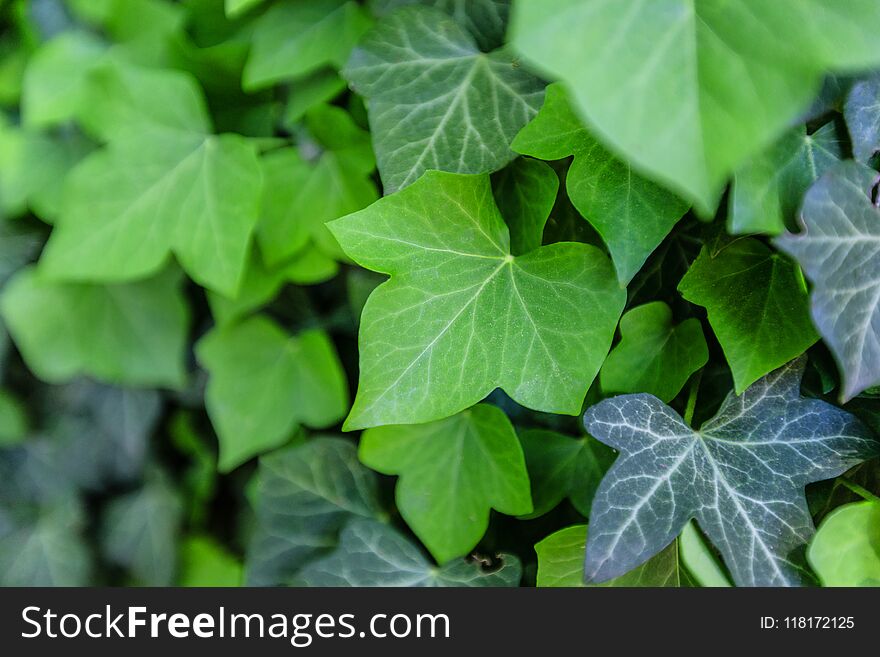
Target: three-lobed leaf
(741, 475)
(451, 473)
(461, 316)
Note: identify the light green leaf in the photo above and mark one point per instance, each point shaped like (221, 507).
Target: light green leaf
(144, 21)
(204, 562)
(654, 355)
(305, 495)
(299, 197)
(139, 532)
(296, 38)
(371, 553)
(452, 473)
(435, 100)
(699, 560)
(688, 90)
(632, 214)
(461, 316)
(263, 383)
(130, 205)
(846, 548)
(55, 79)
(133, 334)
(757, 305)
(308, 92)
(561, 564)
(525, 191)
(560, 467)
(767, 192)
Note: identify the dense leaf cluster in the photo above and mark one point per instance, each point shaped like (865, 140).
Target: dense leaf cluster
(439, 292)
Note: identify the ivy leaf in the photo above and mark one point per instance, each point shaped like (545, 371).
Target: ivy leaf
(525, 191)
(13, 421)
(560, 467)
(311, 91)
(561, 563)
(846, 549)
(688, 90)
(757, 306)
(300, 197)
(236, 8)
(632, 214)
(139, 532)
(653, 355)
(435, 100)
(297, 38)
(50, 551)
(54, 85)
(862, 113)
(263, 383)
(65, 330)
(742, 476)
(452, 472)
(768, 191)
(306, 494)
(371, 553)
(486, 20)
(461, 316)
(838, 250)
(166, 186)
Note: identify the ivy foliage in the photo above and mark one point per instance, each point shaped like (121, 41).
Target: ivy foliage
(439, 292)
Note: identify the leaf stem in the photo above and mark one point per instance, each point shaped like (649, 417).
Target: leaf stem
(859, 490)
(692, 397)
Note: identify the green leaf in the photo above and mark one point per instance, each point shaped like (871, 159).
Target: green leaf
(757, 306)
(742, 476)
(632, 214)
(461, 316)
(525, 192)
(768, 190)
(435, 100)
(299, 197)
(846, 549)
(654, 355)
(13, 421)
(296, 38)
(122, 100)
(204, 562)
(862, 113)
(308, 92)
(452, 472)
(699, 560)
(688, 90)
(54, 83)
(261, 284)
(561, 563)
(371, 553)
(129, 206)
(305, 495)
(50, 551)
(263, 383)
(837, 249)
(133, 334)
(139, 532)
(144, 21)
(33, 168)
(486, 20)
(561, 467)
